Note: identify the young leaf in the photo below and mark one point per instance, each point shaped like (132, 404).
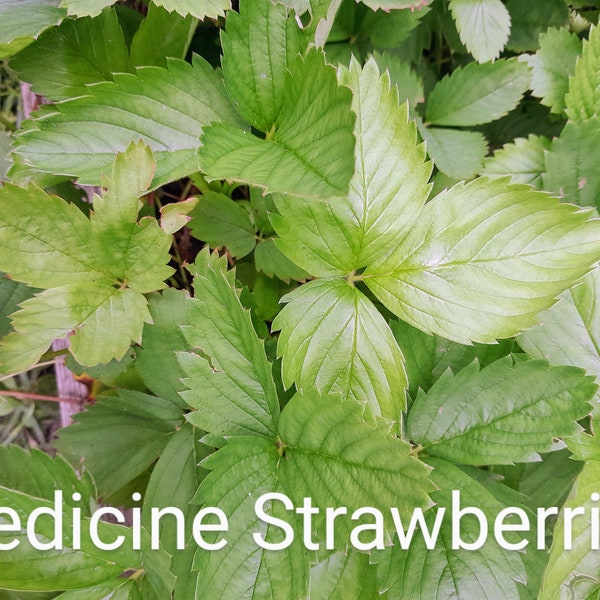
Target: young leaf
(483, 259)
(483, 26)
(572, 163)
(165, 107)
(94, 270)
(229, 379)
(489, 573)
(502, 414)
(583, 97)
(523, 160)
(387, 191)
(119, 437)
(22, 22)
(255, 66)
(333, 338)
(575, 569)
(64, 60)
(478, 94)
(552, 65)
(309, 151)
(530, 19)
(455, 153)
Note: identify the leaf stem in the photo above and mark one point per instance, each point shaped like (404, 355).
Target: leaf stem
(30, 396)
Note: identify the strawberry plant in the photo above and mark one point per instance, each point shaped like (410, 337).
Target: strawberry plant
(333, 290)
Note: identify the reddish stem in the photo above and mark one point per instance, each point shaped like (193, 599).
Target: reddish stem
(28, 396)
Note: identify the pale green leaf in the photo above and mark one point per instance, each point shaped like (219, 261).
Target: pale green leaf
(271, 261)
(502, 414)
(523, 160)
(166, 108)
(229, 380)
(483, 259)
(161, 35)
(489, 573)
(574, 573)
(387, 191)
(220, 221)
(478, 94)
(483, 26)
(5, 161)
(119, 437)
(86, 8)
(552, 65)
(255, 66)
(22, 21)
(455, 153)
(156, 361)
(309, 151)
(333, 338)
(531, 18)
(343, 576)
(64, 60)
(201, 9)
(175, 216)
(572, 163)
(388, 5)
(583, 97)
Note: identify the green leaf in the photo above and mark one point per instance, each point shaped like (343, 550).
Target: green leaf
(12, 293)
(552, 65)
(165, 107)
(220, 221)
(523, 160)
(483, 259)
(333, 338)
(309, 151)
(574, 571)
(410, 84)
(175, 216)
(583, 98)
(95, 270)
(119, 437)
(229, 379)
(343, 576)
(86, 8)
(478, 94)
(161, 35)
(255, 67)
(389, 28)
(530, 19)
(571, 163)
(483, 26)
(569, 332)
(458, 154)
(201, 9)
(502, 414)
(489, 573)
(387, 191)
(156, 361)
(5, 161)
(388, 5)
(271, 261)
(65, 59)
(22, 21)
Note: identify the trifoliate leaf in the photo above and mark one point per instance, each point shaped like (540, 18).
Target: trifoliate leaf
(502, 414)
(523, 160)
(165, 107)
(455, 153)
(220, 221)
(333, 338)
(387, 191)
(22, 22)
(552, 65)
(229, 379)
(478, 94)
(119, 437)
(156, 361)
(309, 151)
(530, 19)
(489, 572)
(255, 66)
(483, 259)
(483, 26)
(575, 570)
(161, 35)
(94, 271)
(572, 163)
(64, 60)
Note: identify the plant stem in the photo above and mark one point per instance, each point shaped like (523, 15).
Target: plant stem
(30, 396)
